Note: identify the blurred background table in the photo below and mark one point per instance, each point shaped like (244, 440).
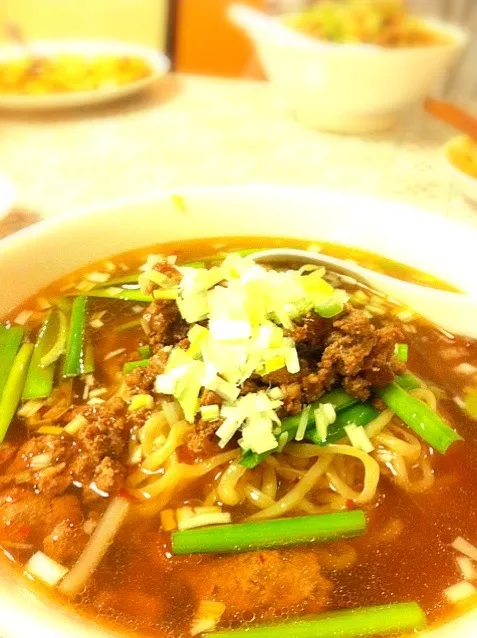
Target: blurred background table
(195, 130)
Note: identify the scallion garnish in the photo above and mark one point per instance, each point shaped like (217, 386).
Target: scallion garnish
(419, 417)
(132, 365)
(75, 350)
(351, 623)
(10, 340)
(39, 380)
(275, 533)
(401, 351)
(360, 414)
(14, 387)
(144, 352)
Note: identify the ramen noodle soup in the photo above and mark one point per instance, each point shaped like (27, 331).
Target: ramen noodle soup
(379, 22)
(67, 73)
(193, 442)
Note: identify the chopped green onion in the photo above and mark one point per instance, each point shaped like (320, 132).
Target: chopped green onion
(408, 381)
(194, 264)
(123, 294)
(87, 357)
(401, 351)
(13, 387)
(145, 352)
(360, 414)
(10, 340)
(39, 380)
(327, 311)
(210, 412)
(59, 345)
(351, 623)
(337, 397)
(419, 417)
(132, 365)
(275, 533)
(74, 358)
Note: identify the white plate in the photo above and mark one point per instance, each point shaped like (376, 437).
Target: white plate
(34, 257)
(7, 195)
(158, 62)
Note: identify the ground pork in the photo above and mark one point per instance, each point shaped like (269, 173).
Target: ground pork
(28, 517)
(164, 324)
(51, 463)
(261, 582)
(141, 380)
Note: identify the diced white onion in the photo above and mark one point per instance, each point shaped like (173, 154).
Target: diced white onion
(46, 569)
(23, 317)
(464, 547)
(300, 433)
(114, 353)
(204, 520)
(459, 592)
(465, 368)
(207, 616)
(467, 567)
(358, 438)
(98, 277)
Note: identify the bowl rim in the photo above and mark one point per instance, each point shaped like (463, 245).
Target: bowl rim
(459, 38)
(18, 240)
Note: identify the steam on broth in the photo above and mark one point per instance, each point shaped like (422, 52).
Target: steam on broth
(195, 443)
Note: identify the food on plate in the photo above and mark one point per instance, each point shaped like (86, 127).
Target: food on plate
(193, 442)
(69, 72)
(383, 23)
(462, 153)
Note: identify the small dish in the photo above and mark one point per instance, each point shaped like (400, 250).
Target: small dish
(159, 66)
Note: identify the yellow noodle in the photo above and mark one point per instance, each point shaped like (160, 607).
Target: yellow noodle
(427, 477)
(379, 423)
(174, 439)
(227, 486)
(257, 497)
(269, 482)
(155, 425)
(292, 499)
(290, 473)
(371, 466)
(410, 448)
(158, 493)
(340, 486)
(399, 470)
(425, 395)
(154, 461)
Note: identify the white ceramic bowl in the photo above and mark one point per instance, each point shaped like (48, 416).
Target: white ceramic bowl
(464, 182)
(34, 257)
(158, 62)
(348, 88)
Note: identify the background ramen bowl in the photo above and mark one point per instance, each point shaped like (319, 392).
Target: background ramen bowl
(352, 88)
(78, 239)
(461, 159)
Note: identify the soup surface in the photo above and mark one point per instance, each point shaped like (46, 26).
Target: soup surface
(109, 439)
(383, 23)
